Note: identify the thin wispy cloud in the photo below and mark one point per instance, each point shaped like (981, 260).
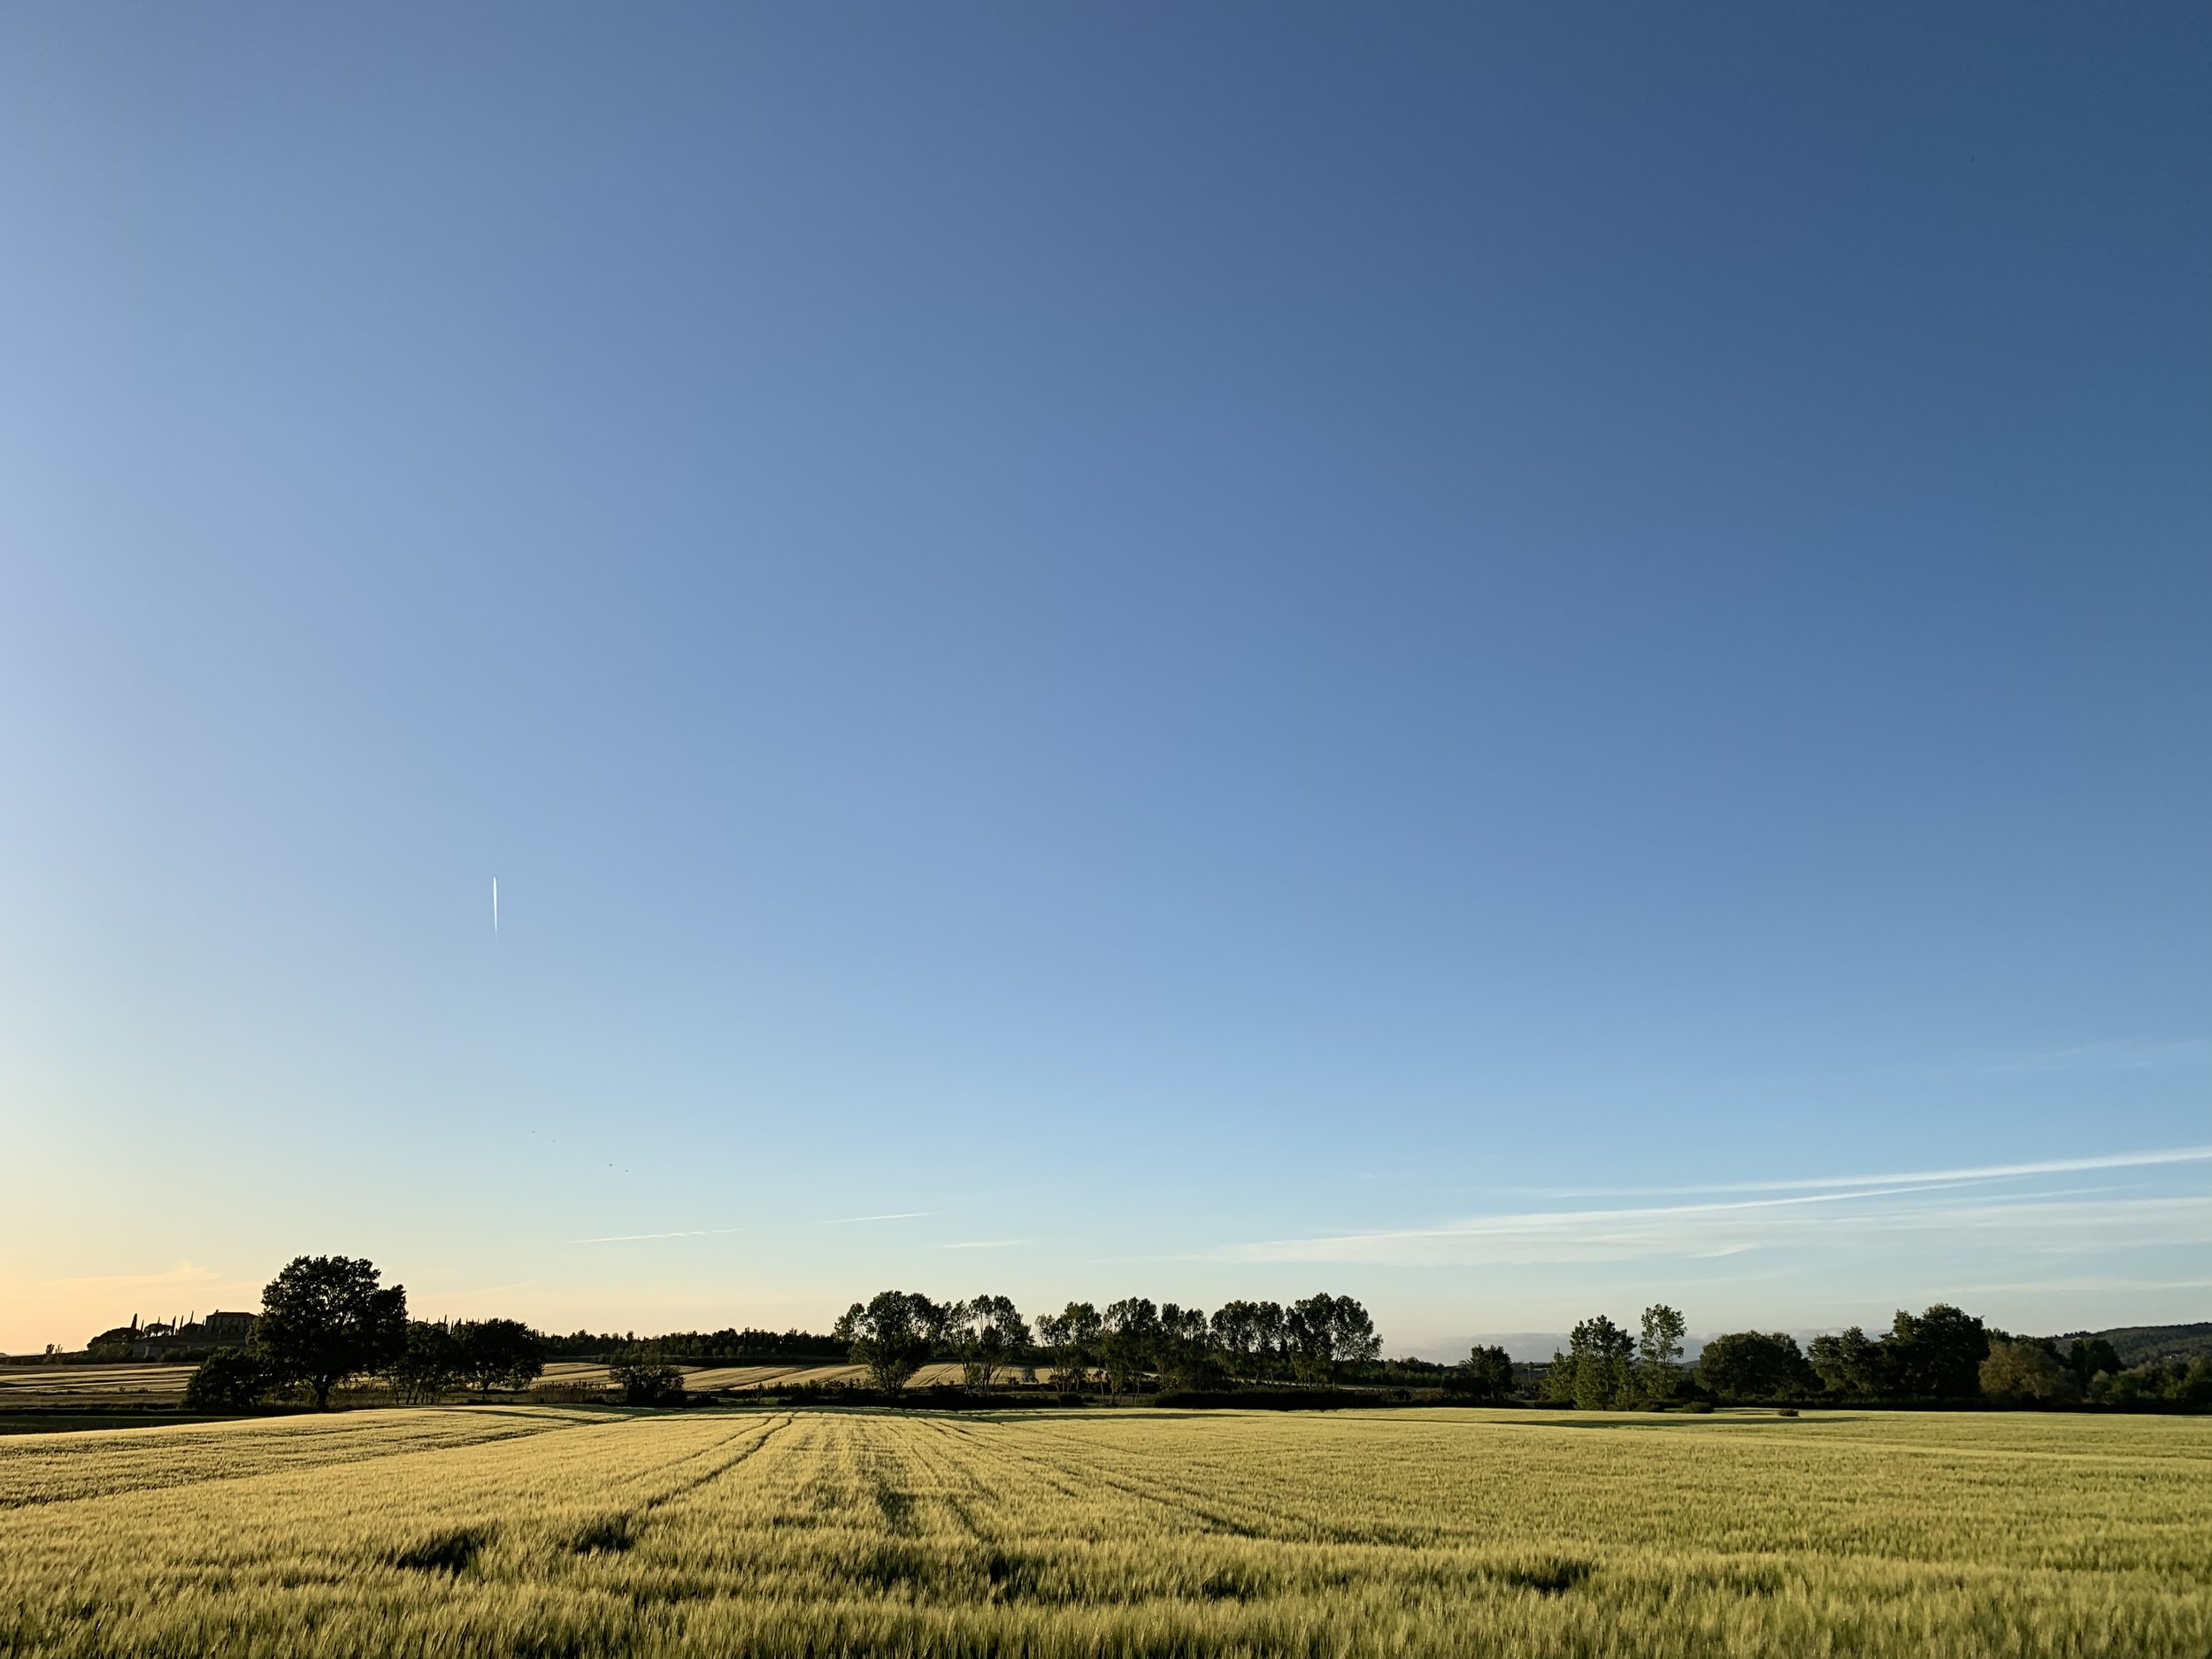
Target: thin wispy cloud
(1925, 1177)
(2102, 1056)
(896, 1215)
(684, 1233)
(1936, 1208)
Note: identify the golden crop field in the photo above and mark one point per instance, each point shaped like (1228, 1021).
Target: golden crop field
(534, 1530)
(158, 1384)
(714, 1379)
(152, 1382)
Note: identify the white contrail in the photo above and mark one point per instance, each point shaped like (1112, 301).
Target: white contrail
(494, 907)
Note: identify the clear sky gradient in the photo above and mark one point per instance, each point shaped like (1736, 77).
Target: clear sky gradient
(1513, 660)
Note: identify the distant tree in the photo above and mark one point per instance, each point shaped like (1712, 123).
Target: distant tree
(1309, 1337)
(1072, 1335)
(1848, 1364)
(1559, 1379)
(1484, 1377)
(1659, 1352)
(1936, 1356)
(986, 1333)
(892, 1334)
(2027, 1372)
(325, 1319)
(1132, 1334)
(1183, 1353)
(1236, 1336)
(113, 1344)
(228, 1380)
(1251, 1337)
(646, 1378)
(1322, 1332)
(1271, 1322)
(2087, 1357)
(1352, 1339)
(498, 1354)
(1598, 1363)
(1756, 1365)
(428, 1364)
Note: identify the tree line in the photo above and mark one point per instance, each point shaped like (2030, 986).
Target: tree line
(1940, 1355)
(1128, 1345)
(325, 1320)
(727, 1347)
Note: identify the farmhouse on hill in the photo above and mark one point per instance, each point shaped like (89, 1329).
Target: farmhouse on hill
(176, 1339)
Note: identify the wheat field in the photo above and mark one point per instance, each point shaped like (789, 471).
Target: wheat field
(536, 1530)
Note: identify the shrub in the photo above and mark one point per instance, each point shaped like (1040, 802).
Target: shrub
(2028, 1373)
(1485, 1375)
(229, 1379)
(1756, 1365)
(648, 1382)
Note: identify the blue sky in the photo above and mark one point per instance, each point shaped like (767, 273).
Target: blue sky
(1514, 661)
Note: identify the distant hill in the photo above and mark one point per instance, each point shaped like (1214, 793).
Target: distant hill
(2140, 1344)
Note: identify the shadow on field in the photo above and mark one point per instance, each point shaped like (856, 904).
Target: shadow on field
(610, 1535)
(1553, 1577)
(448, 1553)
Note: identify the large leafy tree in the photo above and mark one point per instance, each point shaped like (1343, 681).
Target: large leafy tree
(1756, 1365)
(1246, 1334)
(228, 1380)
(1182, 1355)
(2090, 1355)
(1256, 1339)
(2028, 1371)
(1352, 1336)
(1659, 1352)
(428, 1364)
(647, 1376)
(986, 1333)
(1849, 1363)
(1596, 1371)
(1321, 1332)
(1130, 1339)
(892, 1334)
(1936, 1356)
(1073, 1335)
(1485, 1376)
(498, 1354)
(325, 1319)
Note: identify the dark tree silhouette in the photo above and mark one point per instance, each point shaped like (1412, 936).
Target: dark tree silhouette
(1485, 1376)
(1936, 1356)
(1849, 1363)
(428, 1364)
(984, 1333)
(324, 1318)
(228, 1380)
(892, 1333)
(1594, 1372)
(2088, 1356)
(1072, 1335)
(498, 1354)
(647, 1379)
(1659, 1352)
(2028, 1371)
(1756, 1365)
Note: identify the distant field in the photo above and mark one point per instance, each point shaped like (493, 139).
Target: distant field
(531, 1530)
(153, 1384)
(98, 1384)
(710, 1379)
